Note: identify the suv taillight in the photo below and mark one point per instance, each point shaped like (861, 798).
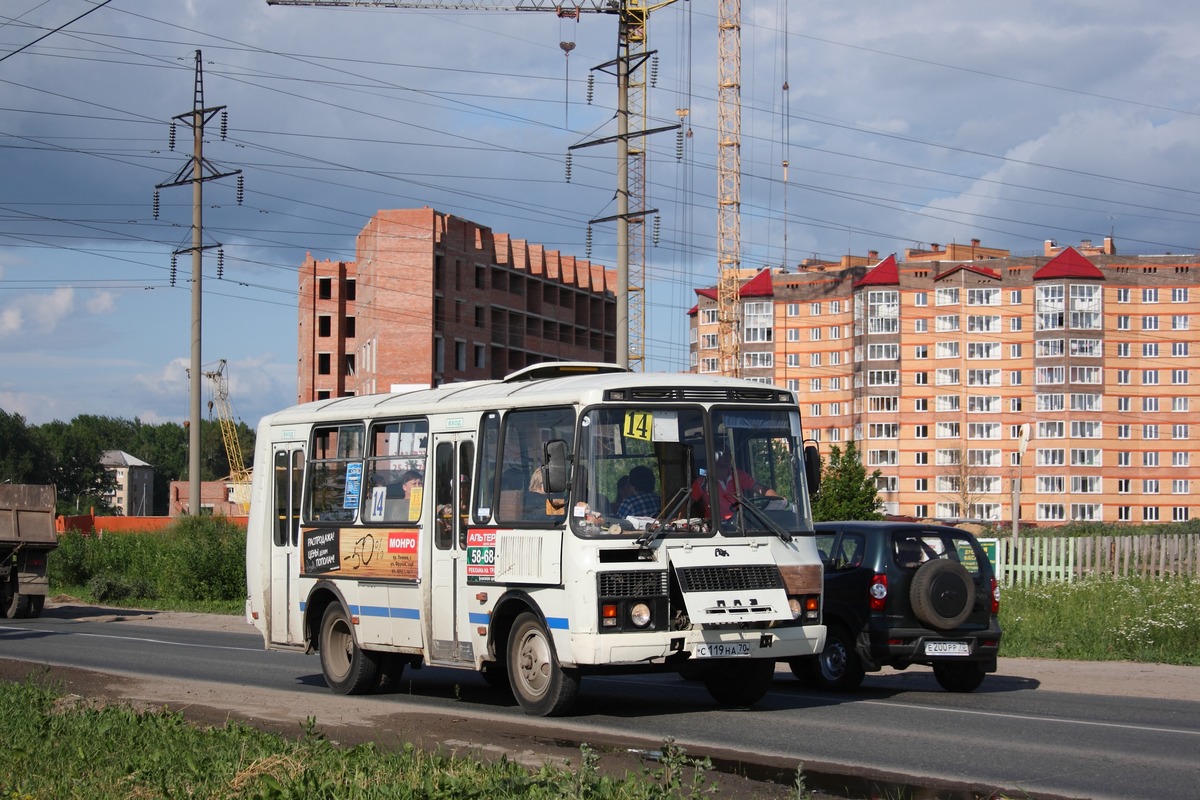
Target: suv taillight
(878, 591)
(995, 597)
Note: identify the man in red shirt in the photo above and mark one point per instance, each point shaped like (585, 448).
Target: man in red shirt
(730, 484)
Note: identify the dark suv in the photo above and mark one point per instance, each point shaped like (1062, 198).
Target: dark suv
(901, 593)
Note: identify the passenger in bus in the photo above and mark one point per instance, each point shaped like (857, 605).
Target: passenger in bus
(538, 503)
(643, 501)
(727, 487)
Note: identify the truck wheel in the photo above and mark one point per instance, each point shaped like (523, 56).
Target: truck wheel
(348, 669)
(942, 594)
(837, 668)
(740, 683)
(540, 684)
(958, 676)
(24, 606)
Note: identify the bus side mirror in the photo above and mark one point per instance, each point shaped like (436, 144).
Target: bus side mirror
(556, 466)
(812, 469)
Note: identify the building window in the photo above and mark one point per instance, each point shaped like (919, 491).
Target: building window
(1149, 295)
(324, 363)
(947, 296)
(1149, 513)
(1122, 295)
(1049, 307)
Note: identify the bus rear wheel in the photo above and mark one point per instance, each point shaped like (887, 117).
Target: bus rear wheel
(540, 684)
(348, 669)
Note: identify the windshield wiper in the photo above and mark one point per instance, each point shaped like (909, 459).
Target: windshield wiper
(669, 511)
(762, 518)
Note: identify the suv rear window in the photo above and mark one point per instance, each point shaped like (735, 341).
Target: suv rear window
(911, 550)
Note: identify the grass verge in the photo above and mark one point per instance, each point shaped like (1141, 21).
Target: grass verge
(57, 746)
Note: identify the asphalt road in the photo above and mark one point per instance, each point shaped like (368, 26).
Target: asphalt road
(1036, 729)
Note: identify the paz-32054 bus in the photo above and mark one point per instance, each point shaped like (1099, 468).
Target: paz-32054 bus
(571, 519)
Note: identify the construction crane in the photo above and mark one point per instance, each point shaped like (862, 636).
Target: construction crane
(239, 476)
(633, 16)
(729, 185)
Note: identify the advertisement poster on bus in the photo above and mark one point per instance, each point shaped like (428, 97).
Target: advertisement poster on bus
(359, 553)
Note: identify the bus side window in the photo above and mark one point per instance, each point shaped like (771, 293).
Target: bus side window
(489, 444)
(335, 474)
(443, 524)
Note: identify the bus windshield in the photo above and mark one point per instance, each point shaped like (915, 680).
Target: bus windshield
(689, 471)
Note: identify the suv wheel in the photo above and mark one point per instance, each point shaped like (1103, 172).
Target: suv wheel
(942, 594)
(837, 668)
(958, 676)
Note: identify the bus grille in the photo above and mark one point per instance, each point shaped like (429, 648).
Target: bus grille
(639, 583)
(729, 579)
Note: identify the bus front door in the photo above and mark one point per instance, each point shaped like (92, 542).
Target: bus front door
(447, 603)
(284, 613)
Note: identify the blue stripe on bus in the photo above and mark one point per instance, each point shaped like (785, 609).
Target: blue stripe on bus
(385, 611)
(558, 623)
(479, 619)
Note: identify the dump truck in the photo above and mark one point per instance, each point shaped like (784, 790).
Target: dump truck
(27, 536)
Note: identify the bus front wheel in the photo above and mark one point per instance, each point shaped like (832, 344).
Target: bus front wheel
(348, 669)
(541, 685)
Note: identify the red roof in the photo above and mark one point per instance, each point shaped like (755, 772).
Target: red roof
(885, 273)
(758, 286)
(1068, 264)
(987, 272)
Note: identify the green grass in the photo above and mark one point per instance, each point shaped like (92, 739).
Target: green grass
(1102, 619)
(53, 746)
(198, 564)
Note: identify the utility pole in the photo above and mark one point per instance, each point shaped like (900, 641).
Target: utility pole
(201, 171)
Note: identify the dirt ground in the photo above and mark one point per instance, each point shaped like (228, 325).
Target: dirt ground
(351, 721)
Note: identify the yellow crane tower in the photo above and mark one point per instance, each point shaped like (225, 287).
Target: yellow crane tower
(631, 165)
(729, 185)
(239, 476)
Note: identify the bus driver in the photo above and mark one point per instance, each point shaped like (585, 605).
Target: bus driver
(730, 483)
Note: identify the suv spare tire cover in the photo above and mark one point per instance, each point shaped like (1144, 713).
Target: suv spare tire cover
(942, 594)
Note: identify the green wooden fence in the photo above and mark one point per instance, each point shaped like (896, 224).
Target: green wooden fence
(1037, 559)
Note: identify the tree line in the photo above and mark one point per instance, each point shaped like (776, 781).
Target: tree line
(67, 454)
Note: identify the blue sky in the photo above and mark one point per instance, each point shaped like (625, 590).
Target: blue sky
(903, 124)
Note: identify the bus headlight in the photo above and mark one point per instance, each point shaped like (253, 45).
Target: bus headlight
(639, 615)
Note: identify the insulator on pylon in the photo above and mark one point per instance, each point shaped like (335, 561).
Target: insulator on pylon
(589, 243)
(654, 70)
(241, 189)
(568, 166)
(657, 228)
(679, 145)
(174, 267)
(171, 138)
(224, 124)
(156, 203)
(591, 87)
(220, 263)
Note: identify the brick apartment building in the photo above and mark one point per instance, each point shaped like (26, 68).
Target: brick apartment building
(939, 365)
(432, 298)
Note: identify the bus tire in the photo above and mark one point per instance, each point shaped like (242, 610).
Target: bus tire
(539, 683)
(348, 669)
(737, 683)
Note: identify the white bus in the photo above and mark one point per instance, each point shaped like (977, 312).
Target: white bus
(487, 526)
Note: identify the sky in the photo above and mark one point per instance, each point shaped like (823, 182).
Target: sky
(902, 125)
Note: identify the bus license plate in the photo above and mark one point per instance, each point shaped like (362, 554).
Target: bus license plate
(947, 649)
(722, 650)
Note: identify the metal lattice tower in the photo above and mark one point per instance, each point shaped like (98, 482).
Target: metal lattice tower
(729, 184)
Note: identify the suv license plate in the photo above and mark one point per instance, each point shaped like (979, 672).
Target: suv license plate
(722, 650)
(947, 649)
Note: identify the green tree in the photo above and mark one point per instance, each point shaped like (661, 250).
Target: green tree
(23, 456)
(74, 451)
(847, 492)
